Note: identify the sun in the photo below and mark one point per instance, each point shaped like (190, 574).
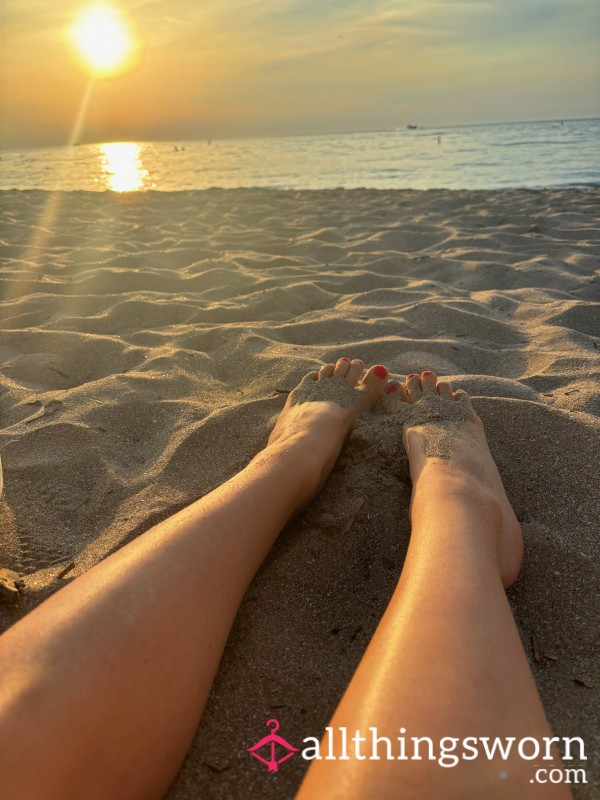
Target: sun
(103, 39)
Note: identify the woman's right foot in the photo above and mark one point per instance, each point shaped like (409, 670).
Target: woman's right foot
(319, 414)
(445, 441)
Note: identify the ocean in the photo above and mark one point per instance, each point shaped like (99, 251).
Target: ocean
(548, 154)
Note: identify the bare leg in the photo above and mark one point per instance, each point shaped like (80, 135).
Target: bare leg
(103, 684)
(446, 659)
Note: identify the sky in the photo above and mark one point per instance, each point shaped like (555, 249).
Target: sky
(236, 68)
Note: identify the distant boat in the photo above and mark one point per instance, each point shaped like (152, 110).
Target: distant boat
(412, 127)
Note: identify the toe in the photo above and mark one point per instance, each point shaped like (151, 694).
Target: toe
(398, 391)
(444, 388)
(326, 371)
(403, 393)
(373, 383)
(413, 387)
(392, 396)
(354, 372)
(341, 368)
(462, 397)
(312, 376)
(428, 381)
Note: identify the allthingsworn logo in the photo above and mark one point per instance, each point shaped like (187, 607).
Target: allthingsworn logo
(342, 744)
(272, 749)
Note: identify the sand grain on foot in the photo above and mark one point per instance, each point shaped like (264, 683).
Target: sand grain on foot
(443, 418)
(332, 390)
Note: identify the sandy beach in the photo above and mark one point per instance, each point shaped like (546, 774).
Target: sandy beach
(148, 340)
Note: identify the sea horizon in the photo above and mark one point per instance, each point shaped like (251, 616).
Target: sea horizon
(226, 137)
(560, 153)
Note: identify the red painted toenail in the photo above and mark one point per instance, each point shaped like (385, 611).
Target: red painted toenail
(380, 371)
(412, 375)
(390, 389)
(426, 374)
(344, 359)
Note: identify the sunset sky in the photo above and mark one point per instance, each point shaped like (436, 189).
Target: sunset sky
(271, 67)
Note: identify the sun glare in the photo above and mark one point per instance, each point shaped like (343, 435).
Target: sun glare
(122, 168)
(103, 39)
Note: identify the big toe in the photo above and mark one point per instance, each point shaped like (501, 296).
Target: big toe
(373, 384)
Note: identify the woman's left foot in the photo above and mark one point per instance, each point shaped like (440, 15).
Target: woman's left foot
(445, 440)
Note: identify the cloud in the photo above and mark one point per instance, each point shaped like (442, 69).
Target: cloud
(299, 62)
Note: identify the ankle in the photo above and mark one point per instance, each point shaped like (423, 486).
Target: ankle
(308, 459)
(313, 431)
(442, 486)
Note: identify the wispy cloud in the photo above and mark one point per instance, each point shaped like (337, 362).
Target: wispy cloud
(319, 63)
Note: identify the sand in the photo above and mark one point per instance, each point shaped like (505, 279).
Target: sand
(148, 341)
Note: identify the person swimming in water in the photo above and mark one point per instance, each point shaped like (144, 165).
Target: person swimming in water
(102, 691)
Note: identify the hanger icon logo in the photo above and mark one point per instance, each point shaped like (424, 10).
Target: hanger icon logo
(275, 749)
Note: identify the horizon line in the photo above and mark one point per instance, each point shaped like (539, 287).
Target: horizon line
(313, 134)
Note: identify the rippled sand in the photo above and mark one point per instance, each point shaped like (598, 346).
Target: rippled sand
(148, 340)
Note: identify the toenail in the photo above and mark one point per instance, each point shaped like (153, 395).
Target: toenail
(412, 375)
(344, 359)
(390, 389)
(380, 371)
(426, 374)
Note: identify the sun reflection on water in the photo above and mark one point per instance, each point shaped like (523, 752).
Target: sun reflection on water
(122, 168)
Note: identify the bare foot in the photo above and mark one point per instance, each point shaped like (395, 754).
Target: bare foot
(443, 437)
(321, 410)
